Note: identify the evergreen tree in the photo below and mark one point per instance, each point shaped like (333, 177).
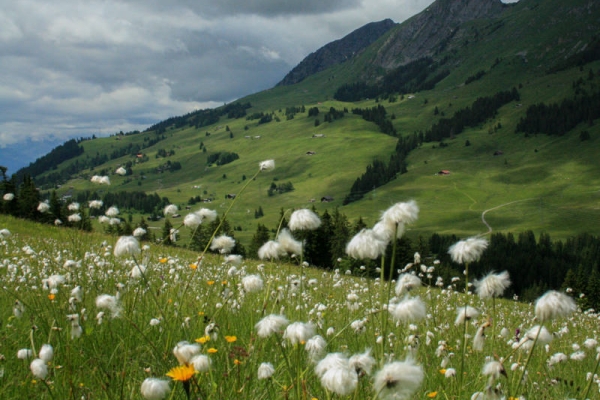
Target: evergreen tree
(55, 208)
(29, 198)
(358, 226)
(144, 225)
(340, 236)
(166, 232)
(261, 236)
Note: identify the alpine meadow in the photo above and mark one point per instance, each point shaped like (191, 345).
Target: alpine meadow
(411, 213)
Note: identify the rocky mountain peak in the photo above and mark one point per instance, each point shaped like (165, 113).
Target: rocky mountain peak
(423, 34)
(338, 51)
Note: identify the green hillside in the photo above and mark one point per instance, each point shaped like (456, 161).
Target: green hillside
(540, 182)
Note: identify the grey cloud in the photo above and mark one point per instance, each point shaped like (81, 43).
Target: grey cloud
(267, 8)
(73, 69)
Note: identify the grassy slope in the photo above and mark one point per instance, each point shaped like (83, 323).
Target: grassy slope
(554, 189)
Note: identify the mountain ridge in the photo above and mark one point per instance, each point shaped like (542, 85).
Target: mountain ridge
(321, 146)
(337, 51)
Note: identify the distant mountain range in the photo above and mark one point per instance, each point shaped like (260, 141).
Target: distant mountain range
(500, 95)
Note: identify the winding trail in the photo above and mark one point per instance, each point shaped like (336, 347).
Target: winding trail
(495, 208)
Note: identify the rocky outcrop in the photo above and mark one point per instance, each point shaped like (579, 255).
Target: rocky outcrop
(338, 51)
(429, 31)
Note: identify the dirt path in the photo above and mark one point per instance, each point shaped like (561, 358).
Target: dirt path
(495, 208)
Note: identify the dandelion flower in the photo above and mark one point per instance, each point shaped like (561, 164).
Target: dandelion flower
(265, 370)
(267, 165)
(271, 324)
(182, 373)
(39, 368)
(73, 206)
(127, 246)
(155, 389)
(492, 285)
(271, 250)
(224, 244)
(8, 196)
(398, 380)
(304, 219)
(553, 305)
(4, 233)
(366, 245)
(468, 250)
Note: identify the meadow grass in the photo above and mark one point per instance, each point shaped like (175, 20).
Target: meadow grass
(179, 298)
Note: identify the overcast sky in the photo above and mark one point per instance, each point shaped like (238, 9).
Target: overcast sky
(71, 68)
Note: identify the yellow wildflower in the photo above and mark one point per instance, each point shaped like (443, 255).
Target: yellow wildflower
(210, 283)
(230, 339)
(182, 373)
(432, 395)
(194, 266)
(212, 350)
(203, 339)
(51, 296)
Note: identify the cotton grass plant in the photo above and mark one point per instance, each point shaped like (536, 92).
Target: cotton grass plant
(128, 321)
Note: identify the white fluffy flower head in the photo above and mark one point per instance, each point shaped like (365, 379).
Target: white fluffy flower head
(553, 305)
(366, 244)
(224, 244)
(468, 250)
(127, 246)
(304, 219)
(267, 165)
(492, 285)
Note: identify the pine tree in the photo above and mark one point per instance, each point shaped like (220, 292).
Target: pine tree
(261, 236)
(166, 232)
(56, 210)
(29, 199)
(340, 236)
